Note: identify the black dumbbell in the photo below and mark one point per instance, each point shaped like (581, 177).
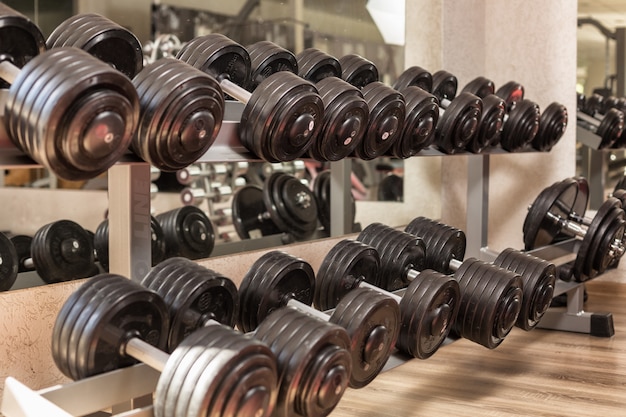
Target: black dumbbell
(102, 38)
(315, 65)
(267, 58)
(181, 112)
(59, 251)
(284, 204)
(445, 249)
(281, 117)
(427, 308)
(321, 190)
(521, 114)
(111, 322)
(371, 320)
(609, 127)
(313, 362)
(9, 263)
(490, 296)
(558, 212)
(187, 232)
(101, 243)
(387, 107)
(66, 109)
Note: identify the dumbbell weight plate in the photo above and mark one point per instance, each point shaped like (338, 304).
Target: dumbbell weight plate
(181, 114)
(414, 77)
(21, 38)
(321, 190)
(589, 262)
(489, 125)
(481, 87)
(539, 279)
(282, 118)
(428, 308)
(62, 251)
(202, 293)
(443, 243)
(552, 125)
(346, 264)
(76, 121)
(512, 93)
(459, 123)
(521, 127)
(102, 38)
(313, 375)
(614, 236)
(187, 232)
(247, 206)
(559, 199)
(372, 321)
(357, 70)
(9, 262)
(217, 372)
(315, 65)
(444, 85)
(268, 58)
(387, 112)
(345, 120)
(421, 117)
(611, 128)
(291, 205)
(265, 288)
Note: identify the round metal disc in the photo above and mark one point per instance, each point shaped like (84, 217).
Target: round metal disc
(357, 70)
(552, 125)
(267, 58)
(315, 65)
(277, 277)
(428, 308)
(481, 87)
(490, 124)
(372, 321)
(444, 85)
(313, 375)
(458, 124)
(346, 116)
(187, 232)
(421, 117)
(512, 93)
(9, 263)
(62, 251)
(22, 244)
(558, 199)
(521, 127)
(414, 77)
(248, 208)
(443, 243)
(387, 112)
(344, 266)
(610, 128)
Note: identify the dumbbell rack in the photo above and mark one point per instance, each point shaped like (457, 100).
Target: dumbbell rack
(129, 219)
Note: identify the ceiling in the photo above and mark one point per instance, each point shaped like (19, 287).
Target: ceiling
(591, 42)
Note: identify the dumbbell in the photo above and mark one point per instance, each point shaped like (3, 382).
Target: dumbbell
(313, 362)
(490, 296)
(67, 110)
(558, 212)
(279, 280)
(519, 121)
(191, 196)
(111, 322)
(321, 190)
(608, 127)
(9, 263)
(427, 308)
(445, 250)
(101, 243)
(281, 117)
(187, 232)
(284, 204)
(102, 38)
(387, 107)
(59, 251)
(181, 112)
(192, 173)
(618, 103)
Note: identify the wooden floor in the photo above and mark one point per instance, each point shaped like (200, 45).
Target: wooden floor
(536, 373)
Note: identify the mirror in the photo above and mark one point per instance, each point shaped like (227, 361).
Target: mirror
(336, 27)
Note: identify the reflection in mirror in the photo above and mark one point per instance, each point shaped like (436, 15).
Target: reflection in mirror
(336, 27)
